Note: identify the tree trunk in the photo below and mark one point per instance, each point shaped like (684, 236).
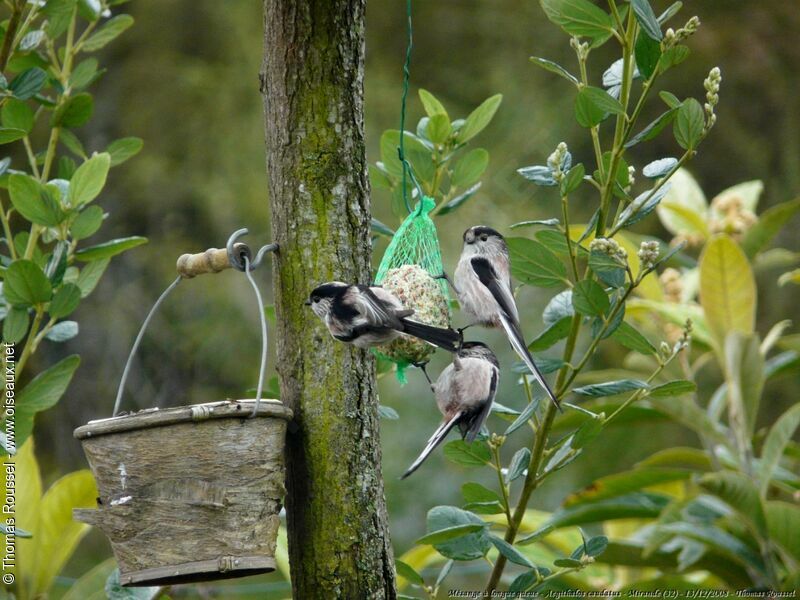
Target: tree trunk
(312, 83)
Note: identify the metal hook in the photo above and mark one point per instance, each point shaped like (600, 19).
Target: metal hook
(238, 252)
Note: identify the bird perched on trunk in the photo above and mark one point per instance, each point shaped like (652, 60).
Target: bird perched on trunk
(372, 316)
(464, 392)
(483, 285)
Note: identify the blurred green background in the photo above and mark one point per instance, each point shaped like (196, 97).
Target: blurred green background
(185, 79)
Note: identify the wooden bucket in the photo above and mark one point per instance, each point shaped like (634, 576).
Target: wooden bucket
(191, 493)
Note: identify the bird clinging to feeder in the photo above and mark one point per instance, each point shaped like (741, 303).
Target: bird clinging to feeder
(483, 285)
(464, 392)
(372, 316)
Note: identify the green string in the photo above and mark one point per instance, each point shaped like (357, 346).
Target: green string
(406, 76)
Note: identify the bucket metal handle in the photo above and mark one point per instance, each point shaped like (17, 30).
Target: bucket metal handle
(236, 255)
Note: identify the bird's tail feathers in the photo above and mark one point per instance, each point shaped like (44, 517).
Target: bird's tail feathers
(447, 339)
(477, 423)
(437, 438)
(518, 343)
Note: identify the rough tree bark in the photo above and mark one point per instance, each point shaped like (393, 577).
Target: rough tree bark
(312, 83)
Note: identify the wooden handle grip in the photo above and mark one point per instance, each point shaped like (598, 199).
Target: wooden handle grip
(212, 260)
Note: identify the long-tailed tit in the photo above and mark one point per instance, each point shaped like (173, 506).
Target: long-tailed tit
(483, 285)
(371, 316)
(464, 393)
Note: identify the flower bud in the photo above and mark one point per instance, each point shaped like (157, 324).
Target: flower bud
(648, 254)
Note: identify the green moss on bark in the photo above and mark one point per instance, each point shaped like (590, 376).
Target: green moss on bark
(319, 195)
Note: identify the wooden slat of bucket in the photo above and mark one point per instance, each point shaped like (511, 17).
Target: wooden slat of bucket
(175, 490)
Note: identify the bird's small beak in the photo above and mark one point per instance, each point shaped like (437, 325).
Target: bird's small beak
(307, 302)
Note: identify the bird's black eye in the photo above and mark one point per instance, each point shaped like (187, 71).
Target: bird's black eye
(484, 237)
(315, 299)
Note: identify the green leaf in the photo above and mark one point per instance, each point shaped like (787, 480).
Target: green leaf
(727, 288)
(659, 168)
(89, 586)
(673, 57)
(25, 283)
(109, 31)
(778, 438)
(460, 199)
(783, 521)
(722, 541)
(16, 114)
(511, 553)
(524, 582)
(109, 249)
(15, 325)
(75, 112)
(475, 454)
(684, 209)
(450, 533)
(122, 149)
(738, 492)
(556, 242)
(678, 387)
(596, 545)
(560, 306)
(679, 456)
(416, 153)
(549, 65)
(519, 462)
(28, 83)
(86, 223)
(114, 590)
(431, 105)
(593, 105)
(479, 118)
(475, 492)
(84, 74)
(470, 167)
(769, 223)
(406, 571)
(523, 417)
(647, 54)
(90, 275)
(59, 13)
(589, 298)
(621, 484)
(590, 429)
(607, 269)
(555, 332)
(653, 129)
(72, 143)
(567, 562)
(438, 128)
(65, 300)
(387, 412)
(642, 205)
(744, 365)
(534, 264)
(89, 179)
(468, 547)
(61, 332)
(647, 19)
(8, 135)
(580, 18)
(41, 393)
(33, 201)
(689, 124)
(638, 505)
(573, 179)
(610, 388)
(55, 534)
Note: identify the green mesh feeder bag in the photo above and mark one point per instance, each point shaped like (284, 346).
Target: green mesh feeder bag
(408, 270)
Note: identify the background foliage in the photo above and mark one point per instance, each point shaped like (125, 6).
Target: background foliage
(202, 175)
